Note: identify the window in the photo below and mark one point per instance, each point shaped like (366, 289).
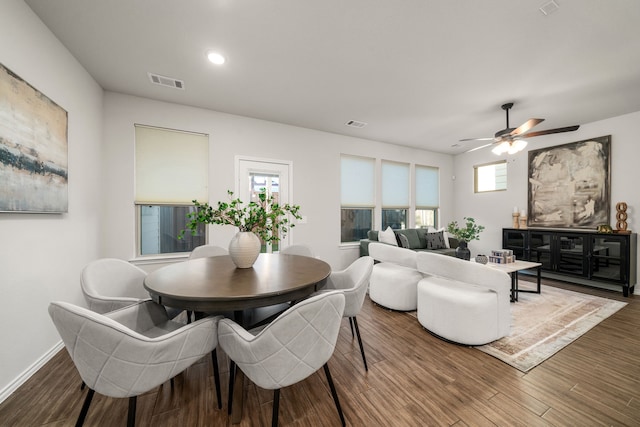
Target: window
(490, 177)
(427, 196)
(159, 228)
(406, 192)
(395, 195)
(357, 192)
(171, 170)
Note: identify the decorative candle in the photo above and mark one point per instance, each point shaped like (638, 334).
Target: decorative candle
(515, 209)
(523, 213)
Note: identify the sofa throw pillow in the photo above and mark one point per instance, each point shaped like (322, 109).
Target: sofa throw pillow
(388, 236)
(436, 240)
(446, 237)
(404, 241)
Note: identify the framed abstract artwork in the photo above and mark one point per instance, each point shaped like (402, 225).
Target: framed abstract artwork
(569, 185)
(33, 149)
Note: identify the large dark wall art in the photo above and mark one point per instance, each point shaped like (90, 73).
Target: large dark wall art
(33, 149)
(569, 185)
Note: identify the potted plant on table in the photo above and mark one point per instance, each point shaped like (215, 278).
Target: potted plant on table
(264, 219)
(470, 231)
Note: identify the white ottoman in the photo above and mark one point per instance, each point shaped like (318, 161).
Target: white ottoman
(394, 286)
(460, 312)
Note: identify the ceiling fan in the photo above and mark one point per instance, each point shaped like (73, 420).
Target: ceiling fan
(511, 140)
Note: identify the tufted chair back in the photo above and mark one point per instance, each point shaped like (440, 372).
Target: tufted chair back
(110, 283)
(207, 251)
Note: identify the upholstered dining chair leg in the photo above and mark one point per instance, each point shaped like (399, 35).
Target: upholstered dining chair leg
(131, 417)
(334, 393)
(276, 407)
(85, 408)
(364, 359)
(232, 379)
(82, 386)
(216, 376)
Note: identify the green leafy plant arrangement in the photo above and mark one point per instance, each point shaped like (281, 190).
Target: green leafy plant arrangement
(265, 218)
(471, 231)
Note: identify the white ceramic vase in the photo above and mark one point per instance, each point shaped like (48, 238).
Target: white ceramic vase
(244, 249)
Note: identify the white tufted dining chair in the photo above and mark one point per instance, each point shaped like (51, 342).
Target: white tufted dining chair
(109, 283)
(303, 250)
(204, 251)
(132, 350)
(353, 282)
(291, 348)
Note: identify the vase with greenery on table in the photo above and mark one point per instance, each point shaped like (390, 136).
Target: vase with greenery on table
(264, 219)
(466, 233)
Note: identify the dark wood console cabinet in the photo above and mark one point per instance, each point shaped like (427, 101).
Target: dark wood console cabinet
(580, 256)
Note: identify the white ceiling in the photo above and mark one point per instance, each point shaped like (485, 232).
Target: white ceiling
(421, 73)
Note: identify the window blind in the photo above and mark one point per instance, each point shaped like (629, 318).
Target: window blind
(427, 187)
(357, 181)
(395, 185)
(171, 166)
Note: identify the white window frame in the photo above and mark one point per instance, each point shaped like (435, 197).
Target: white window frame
(498, 180)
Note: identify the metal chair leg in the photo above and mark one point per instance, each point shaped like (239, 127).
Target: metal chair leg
(276, 407)
(131, 417)
(216, 376)
(85, 408)
(351, 325)
(334, 393)
(364, 359)
(232, 379)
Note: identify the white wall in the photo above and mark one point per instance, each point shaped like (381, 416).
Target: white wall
(316, 168)
(493, 210)
(41, 255)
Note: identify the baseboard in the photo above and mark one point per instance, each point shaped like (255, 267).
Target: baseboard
(28, 373)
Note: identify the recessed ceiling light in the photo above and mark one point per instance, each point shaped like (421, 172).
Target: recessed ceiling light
(216, 58)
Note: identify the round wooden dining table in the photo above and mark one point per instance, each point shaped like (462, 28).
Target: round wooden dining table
(215, 284)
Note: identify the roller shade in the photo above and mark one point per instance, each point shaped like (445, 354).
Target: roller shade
(171, 166)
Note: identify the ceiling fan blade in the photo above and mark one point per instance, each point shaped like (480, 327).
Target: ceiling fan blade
(477, 139)
(526, 126)
(478, 148)
(549, 132)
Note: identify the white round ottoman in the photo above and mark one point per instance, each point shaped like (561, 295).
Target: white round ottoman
(459, 312)
(394, 286)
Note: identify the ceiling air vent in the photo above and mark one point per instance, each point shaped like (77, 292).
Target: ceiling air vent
(355, 124)
(549, 7)
(166, 81)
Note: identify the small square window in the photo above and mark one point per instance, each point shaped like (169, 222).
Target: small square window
(490, 177)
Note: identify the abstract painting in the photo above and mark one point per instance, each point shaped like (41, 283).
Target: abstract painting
(569, 185)
(33, 149)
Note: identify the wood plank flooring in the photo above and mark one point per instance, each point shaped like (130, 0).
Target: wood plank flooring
(414, 379)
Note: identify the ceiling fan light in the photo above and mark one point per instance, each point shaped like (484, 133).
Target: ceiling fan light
(501, 148)
(516, 146)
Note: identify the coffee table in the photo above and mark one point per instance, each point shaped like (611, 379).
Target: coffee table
(512, 269)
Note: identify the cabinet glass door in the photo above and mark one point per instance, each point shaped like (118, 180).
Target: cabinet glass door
(606, 258)
(571, 250)
(540, 245)
(517, 242)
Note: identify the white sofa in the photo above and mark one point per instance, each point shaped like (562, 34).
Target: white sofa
(462, 301)
(394, 278)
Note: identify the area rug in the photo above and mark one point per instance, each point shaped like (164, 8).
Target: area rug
(543, 324)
